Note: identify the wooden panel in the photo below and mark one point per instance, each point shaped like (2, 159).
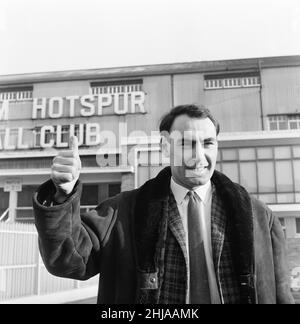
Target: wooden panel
(281, 90)
(61, 89)
(20, 110)
(235, 109)
(158, 102)
(188, 89)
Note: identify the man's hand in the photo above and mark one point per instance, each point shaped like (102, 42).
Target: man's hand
(65, 170)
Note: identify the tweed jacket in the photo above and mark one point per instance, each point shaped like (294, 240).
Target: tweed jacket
(175, 267)
(133, 240)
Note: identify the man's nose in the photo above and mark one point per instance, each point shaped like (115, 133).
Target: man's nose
(199, 155)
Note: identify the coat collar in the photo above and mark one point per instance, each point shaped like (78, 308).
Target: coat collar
(238, 207)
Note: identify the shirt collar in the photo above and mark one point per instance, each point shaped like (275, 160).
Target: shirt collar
(180, 192)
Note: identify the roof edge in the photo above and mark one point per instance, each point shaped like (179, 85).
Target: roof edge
(154, 69)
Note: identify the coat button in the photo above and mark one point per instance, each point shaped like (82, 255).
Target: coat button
(152, 280)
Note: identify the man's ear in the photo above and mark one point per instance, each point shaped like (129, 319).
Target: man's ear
(165, 146)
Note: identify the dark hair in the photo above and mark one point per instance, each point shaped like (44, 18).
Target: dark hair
(192, 111)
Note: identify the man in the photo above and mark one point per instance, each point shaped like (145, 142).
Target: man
(190, 235)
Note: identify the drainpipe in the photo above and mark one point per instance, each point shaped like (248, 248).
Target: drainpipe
(260, 97)
(172, 91)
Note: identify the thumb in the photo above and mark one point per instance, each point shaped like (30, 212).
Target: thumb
(73, 143)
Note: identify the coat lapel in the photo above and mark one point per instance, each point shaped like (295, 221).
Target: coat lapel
(176, 226)
(239, 218)
(218, 225)
(148, 218)
(150, 230)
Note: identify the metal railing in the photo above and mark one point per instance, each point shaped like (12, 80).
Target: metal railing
(22, 272)
(4, 215)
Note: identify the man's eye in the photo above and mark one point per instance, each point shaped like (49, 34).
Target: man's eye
(208, 143)
(185, 144)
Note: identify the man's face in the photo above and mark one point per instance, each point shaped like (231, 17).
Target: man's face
(193, 150)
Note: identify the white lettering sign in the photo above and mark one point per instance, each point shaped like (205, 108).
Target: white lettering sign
(56, 107)
(45, 143)
(12, 185)
(70, 106)
(90, 105)
(39, 104)
(105, 100)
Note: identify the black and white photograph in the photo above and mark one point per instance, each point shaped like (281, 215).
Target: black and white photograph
(150, 154)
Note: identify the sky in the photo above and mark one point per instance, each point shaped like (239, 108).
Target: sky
(58, 35)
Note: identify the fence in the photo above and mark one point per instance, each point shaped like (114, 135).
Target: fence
(22, 272)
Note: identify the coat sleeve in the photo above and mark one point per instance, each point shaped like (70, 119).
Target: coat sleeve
(283, 290)
(70, 244)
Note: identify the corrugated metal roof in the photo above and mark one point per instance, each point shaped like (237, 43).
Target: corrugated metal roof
(147, 70)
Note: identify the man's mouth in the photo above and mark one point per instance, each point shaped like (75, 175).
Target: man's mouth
(196, 172)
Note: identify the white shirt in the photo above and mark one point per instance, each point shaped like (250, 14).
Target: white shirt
(205, 194)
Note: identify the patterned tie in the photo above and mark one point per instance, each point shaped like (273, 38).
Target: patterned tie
(199, 286)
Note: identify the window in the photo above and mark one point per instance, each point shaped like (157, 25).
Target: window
(24, 212)
(232, 80)
(294, 122)
(229, 154)
(271, 172)
(296, 165)
(89, 196)
(114, 189)
(16, 93)
(247, 154)
(283, 122)
(297, 225)
(247, 174)
(282, 152)
(264, 153)
(251, 82)
(121, 86)
(93, 194)
(231, 171)
(284, 176)
(266, 177)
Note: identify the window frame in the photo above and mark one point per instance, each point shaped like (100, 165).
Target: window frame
(279, 119)
(16, 94)
(232, 81)
(116, 87)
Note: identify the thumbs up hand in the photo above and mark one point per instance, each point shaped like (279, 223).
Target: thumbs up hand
(65, 170)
